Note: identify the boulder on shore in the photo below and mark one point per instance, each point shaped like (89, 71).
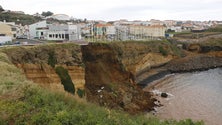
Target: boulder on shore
(164, 95)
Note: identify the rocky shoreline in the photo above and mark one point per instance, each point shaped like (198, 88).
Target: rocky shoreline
(188, 64)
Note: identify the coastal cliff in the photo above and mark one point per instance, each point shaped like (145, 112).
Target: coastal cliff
(111, 74)
(201, 55)
(111, 71)
(39, 64)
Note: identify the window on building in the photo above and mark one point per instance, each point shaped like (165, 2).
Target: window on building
(50, 35)
(67, 36)
(41, 33)
(13, 29)
(56, 35)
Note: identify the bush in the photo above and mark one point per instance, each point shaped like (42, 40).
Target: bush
(81, 93)
(163, 51)
(52, 59)
(65, 79)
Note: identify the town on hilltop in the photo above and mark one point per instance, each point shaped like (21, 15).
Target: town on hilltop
(61, 27)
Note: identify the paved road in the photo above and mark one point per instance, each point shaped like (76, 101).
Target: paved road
(37, 42)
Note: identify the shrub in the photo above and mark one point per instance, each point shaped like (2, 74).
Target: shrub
(81, 93)
(163, 51)
(52, 59)
(65, 79)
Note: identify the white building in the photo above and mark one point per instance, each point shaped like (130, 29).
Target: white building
(38, 30)
(122, 32)
(110, 31)
(176, 28)
(63, 32)
(4, 39)
(139, 32)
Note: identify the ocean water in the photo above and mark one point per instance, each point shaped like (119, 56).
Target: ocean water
(196, 95)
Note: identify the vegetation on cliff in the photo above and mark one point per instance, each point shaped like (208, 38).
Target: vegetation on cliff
(23, 102)
(65, 79)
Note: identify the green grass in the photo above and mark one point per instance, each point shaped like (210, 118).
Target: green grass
(40, 107)
(24, 103)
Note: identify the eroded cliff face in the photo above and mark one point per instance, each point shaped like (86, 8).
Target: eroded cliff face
(111, 71)
(39, 63)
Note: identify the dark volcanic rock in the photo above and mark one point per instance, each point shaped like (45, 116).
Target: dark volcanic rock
(195, 63)
(164, 95)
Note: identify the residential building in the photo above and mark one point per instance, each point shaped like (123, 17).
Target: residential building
(6, 30)
(4, 39)
(63, 32)
(139, 32)
(6, 33)
(110, 31)
(38, 30)
(122, 32)
(176, 28)
(99, 31)
(57, 32)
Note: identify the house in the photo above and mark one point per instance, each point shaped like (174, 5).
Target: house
(4, 39)
(122, 32)
(63, 32)
(175, 28)
(139, 32)
(6, 33)
(6, 30)
(99, 30)
(110, 31)
(187, 27)
(156, 31)
(38, 30)
(17, 31)
(57, 32)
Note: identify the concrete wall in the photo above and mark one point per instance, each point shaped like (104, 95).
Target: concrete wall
(33, 29)
(4, 39)
(6, 30)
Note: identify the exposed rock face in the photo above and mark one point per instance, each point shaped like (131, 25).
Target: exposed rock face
(43, 74)
(195, 63)
(77, 74)
(39, 62)
(110, 73)
(207, 55)
(115, 67)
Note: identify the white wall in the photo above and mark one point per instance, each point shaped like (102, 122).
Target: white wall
(32, 28)
(56, 35)
(4, 39)
(74, 32)
(110, 30)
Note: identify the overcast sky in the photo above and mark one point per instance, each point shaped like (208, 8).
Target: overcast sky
(123, 9)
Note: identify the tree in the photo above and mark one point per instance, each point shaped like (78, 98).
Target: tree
(1, 9)
(48, 13)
